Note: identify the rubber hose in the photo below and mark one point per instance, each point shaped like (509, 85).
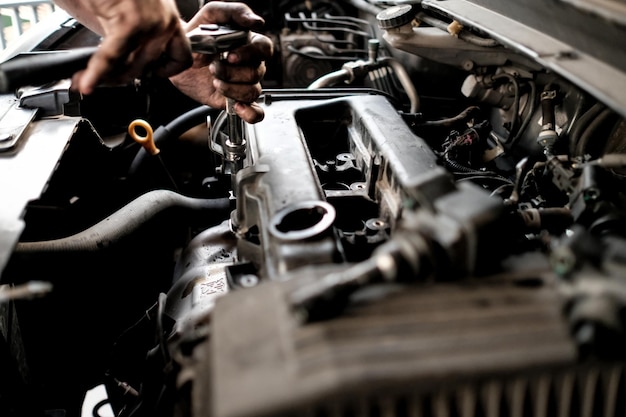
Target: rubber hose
(172, 130)
(124, 222)
(587, 134)
(581, 124)
(36, 68)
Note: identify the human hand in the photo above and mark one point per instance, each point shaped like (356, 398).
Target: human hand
(138, 36)
(210, 80)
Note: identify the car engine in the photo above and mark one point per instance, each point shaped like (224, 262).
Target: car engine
(429, 221)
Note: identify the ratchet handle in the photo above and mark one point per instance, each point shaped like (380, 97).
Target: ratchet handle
(214, 39)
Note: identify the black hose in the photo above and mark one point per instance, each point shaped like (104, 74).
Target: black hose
(123, 222)
(587, 135)
(173, 130)
(474, 174)
(581, 124)
(160, 328)
(36, 68)
(531, 104)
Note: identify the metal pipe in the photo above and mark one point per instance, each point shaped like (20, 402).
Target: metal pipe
(330, 79)
(405, 80)
(347, 75)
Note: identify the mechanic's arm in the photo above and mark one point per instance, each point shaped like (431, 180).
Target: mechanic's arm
(209, 80)
(137, 35)
(142, 35)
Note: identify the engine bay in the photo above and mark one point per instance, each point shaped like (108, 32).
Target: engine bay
(429, 221)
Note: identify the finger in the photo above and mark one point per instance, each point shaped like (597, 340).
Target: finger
(165, 51)
(236, 74)
(228, 13)
(144, 58)
(260, 48)
(250, 113)
(76, 80)
(245, 93)
(179, 57)
(111, 55)
(194, 82)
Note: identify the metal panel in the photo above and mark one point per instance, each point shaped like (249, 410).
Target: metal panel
(25, 171)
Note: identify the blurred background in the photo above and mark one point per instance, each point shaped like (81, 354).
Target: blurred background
(16, 17)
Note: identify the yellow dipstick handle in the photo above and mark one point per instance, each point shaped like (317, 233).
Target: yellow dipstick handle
(146, 141)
